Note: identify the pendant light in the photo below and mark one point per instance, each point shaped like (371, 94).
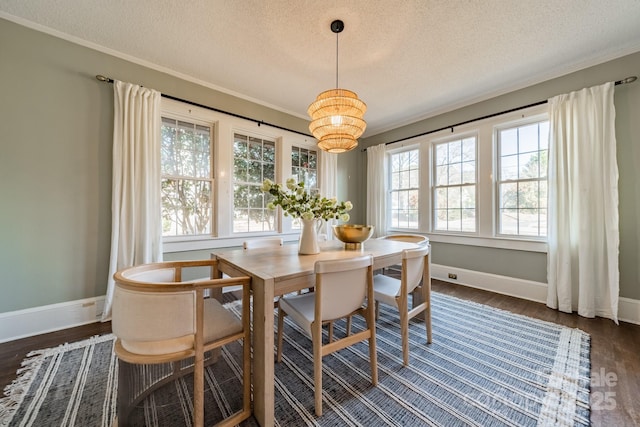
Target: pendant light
(337, 114)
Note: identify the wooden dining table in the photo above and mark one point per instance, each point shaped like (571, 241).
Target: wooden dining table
(278, 271)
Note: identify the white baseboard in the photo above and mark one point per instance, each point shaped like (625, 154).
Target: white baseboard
(628, 309)
(520, 288)
(39, 320)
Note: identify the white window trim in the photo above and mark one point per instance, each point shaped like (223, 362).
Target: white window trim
(485, 235)
(224, 127)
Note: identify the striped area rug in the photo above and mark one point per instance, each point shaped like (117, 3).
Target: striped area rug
(485, 367)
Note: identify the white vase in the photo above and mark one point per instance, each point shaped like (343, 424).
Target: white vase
(309, 236)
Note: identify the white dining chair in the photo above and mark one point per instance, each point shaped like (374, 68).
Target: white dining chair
(164, 326)
(407, 237)
(341, 289)
(395, 292)
(418, 239)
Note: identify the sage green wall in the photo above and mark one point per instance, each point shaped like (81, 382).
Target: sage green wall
(532, 265)
(55, 165)
(56, 129)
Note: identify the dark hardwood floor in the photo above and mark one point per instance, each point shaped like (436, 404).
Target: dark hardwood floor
(615, 352)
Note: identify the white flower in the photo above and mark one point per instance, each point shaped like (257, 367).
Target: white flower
(297, 202)
(266, 185)
(291, 183)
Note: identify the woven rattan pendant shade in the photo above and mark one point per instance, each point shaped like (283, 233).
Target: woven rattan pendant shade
(336, 120)
(337, 114)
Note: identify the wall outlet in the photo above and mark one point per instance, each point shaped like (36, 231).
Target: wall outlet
(453, 276)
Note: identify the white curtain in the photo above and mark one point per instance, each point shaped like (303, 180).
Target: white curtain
(377, 189)
(583, 204)
(136, 227)
(328, 184)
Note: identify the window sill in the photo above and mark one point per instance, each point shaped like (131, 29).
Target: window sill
(491, 242)
(197, 243)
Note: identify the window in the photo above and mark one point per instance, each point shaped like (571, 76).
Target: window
(253, 162)
(522, 179)
(455, 185)
(304, 168)
(187, 181)
(404, 197)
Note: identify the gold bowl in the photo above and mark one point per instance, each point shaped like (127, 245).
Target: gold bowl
(352, 235)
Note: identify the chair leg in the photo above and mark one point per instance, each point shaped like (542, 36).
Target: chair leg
(317, 370)
(427, 320)
(404, 332)
(281, 315)
(330, 332)
(373, 358)
(349, 325)
(198, 391)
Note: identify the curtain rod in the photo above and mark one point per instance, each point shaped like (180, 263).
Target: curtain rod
(217, 110)
(618, 82)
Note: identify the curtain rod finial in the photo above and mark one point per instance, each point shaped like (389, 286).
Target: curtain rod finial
(103, 78)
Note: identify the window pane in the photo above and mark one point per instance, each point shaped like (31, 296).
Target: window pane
(441, 219)
(509, 167)
(455, 151)
(441, 154)
(313, 160)
(509, 195)
(543, 194)
(509, 142)
(469, 220)
(442, 175)
(441, 198)
(455, 174)
(508, 221)
(454, 198)
(468, 172)
(528, 195)
(469, 149)
(528, 223)
(528, 165)
(528, 138)
(468, 200)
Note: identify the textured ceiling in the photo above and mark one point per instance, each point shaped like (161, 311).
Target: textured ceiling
(407, 59)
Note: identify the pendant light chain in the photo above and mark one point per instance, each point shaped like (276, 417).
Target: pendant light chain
(337, 45)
